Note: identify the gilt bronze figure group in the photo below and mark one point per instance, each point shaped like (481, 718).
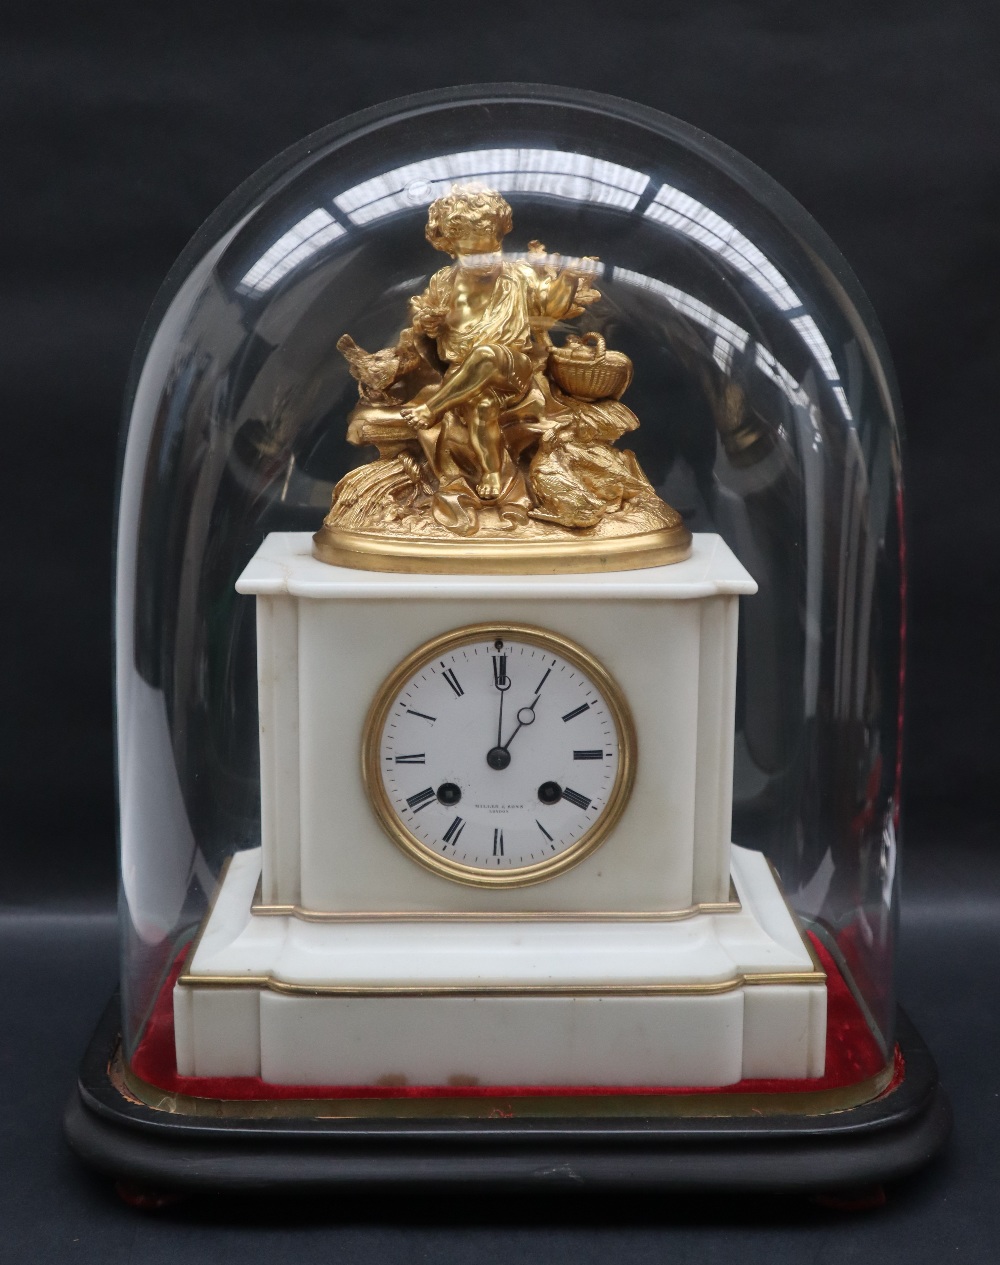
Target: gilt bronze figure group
(488, 432)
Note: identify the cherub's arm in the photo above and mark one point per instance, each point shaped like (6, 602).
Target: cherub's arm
(559, 292)
(429, 310)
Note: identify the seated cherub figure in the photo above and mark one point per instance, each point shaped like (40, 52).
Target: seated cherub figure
(485, 314)
(484, 427)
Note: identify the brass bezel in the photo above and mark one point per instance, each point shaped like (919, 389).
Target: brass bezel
(474, 876)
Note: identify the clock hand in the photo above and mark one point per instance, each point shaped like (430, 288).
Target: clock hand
(497, 757)
(525, 716)
(500, 718)
(502, 682)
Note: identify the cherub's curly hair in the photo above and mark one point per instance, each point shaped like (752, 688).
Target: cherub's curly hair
(474, 202)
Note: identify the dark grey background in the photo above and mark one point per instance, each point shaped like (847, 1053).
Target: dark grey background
(122, 125)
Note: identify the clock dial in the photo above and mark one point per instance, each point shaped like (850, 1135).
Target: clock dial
(499, 755)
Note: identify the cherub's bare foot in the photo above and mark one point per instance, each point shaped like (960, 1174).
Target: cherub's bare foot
(489, 487)
(419, 416)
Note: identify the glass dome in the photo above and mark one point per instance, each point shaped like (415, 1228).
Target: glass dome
(769, 416)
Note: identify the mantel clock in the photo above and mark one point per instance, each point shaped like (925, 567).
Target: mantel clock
(508, 671)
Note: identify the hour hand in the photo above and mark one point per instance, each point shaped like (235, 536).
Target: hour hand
(525, 716)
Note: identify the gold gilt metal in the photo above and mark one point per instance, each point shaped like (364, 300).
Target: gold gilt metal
(447, 867)
(662, 989)
(730, 906)
(496, 445)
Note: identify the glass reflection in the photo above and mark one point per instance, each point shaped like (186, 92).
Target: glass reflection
(292, 248)
(779, 375)
(685, 214)
(556, 173)
(703, 225)
(820, 349)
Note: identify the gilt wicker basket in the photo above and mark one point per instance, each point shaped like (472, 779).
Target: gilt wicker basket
(586, 369)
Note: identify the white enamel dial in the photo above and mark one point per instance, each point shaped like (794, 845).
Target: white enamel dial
(499, 755)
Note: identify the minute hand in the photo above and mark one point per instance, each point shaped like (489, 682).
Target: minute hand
(502, 682)
(525, 716)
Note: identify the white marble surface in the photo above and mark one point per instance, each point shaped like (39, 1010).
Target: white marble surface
(702, 949)
(284, 565)
(327, 640)
(750, 1030)
(511, 1001)
(502, 1041)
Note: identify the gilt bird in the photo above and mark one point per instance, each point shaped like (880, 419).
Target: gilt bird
(375, 370)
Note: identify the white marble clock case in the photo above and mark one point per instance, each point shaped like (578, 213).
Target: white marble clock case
(666, 957)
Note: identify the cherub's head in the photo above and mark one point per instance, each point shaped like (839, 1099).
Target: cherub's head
(471, 220)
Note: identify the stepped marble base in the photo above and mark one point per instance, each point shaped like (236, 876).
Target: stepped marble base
(159, 1150)
(707, 999)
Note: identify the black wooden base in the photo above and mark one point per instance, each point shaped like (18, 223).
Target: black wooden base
(874, 1143)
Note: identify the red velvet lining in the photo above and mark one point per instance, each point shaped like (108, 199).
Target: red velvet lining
(852, 1055)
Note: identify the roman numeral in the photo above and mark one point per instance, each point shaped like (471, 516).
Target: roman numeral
(454, 830)
(543, 830)
(577, 711)
(422, 799)
(499, 670)
(413, 712)
(497, 843)
(582, 755)
(543, 680)
(574, 797)
(452, 680)
(411, 759)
